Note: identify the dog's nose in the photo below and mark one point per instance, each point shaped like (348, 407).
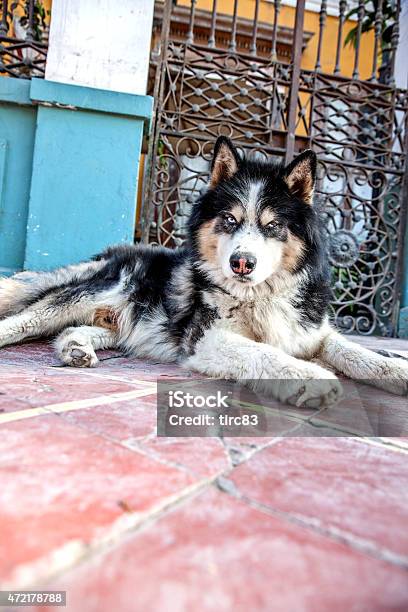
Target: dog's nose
(242, 263)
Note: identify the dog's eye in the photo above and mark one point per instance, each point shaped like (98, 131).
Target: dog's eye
(230, 219)
(273, 225)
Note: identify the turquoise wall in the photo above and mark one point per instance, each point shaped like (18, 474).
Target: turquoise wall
(86, 198)
(69, 162)
(85, 172)
(17, 132)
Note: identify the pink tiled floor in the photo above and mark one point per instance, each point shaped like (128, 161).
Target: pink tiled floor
(92, 502)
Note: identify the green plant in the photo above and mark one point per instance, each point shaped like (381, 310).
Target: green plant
(39, 16)
(346, 277)
(161, 154)
(389, 13)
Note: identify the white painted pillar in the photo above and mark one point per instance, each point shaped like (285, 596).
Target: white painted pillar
(401, 71)
(101, 43)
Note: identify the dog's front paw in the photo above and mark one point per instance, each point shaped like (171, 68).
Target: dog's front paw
(78, 355)
(310, 393)
(301, 384)
(393, 376)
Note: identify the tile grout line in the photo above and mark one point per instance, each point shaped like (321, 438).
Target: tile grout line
(313, 419)
(75, 552)
(67, 559)
(227, 486)
(334, 534)
(102, 400)
(118, 397)
(104, 375)
(136, 448)
(391, 446)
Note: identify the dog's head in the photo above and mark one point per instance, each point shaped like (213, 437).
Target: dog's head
(256, 219)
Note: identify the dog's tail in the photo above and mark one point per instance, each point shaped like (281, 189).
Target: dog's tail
(25, 288)
(15, 292)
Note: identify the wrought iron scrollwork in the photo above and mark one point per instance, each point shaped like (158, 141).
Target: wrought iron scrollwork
(236, 78)
(23, 39)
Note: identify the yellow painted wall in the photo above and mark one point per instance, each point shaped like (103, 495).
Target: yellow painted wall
(19, 10)
(287, 18)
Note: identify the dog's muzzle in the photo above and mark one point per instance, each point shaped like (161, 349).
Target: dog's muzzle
(242, 263)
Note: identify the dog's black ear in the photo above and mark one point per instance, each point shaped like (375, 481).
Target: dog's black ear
(225, 162)
(300, 176)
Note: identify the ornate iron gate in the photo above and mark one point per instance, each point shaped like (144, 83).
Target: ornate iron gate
(218, 74)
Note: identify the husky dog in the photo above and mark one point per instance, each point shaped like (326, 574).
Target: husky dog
(246, 299)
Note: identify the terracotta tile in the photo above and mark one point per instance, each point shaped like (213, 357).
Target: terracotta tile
(118, 374)
(376, 343)
(205, 457)
(134, 425)
(145, 370)
(316, 429)
(239, 449)
(12, 404)
(21, 389)
(60, 482)
(217, 553)
(367, 411)
(120, 421)
(342, 483)
(34, 354)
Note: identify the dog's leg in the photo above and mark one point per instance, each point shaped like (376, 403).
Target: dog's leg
(76, 346)
(225, 354)
(28, 324)
(359, 363)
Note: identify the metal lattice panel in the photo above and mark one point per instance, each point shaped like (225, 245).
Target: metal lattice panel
(269, 106)
(23, 39)
(357, 130)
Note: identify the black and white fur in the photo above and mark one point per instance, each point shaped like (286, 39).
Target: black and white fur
(246, 299)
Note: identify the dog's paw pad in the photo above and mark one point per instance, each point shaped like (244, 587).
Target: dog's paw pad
(79, 356)
(77, 353)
